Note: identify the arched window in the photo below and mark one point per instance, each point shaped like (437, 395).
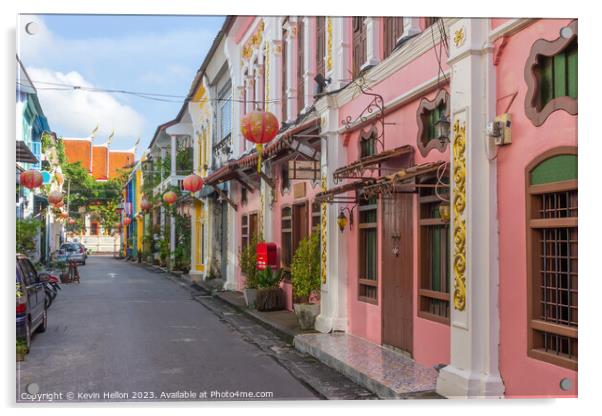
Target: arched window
(552, 257)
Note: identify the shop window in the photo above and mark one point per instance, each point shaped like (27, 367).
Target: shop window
(427, 115)
(286, 224)
(392, 31)
(320, 44)
(429, 21)
(368, 249)
(285, 182)
(243, 196)
(367, 143)
(359, 44)
(551, 76)
(434, 253)
(244, 230)
(552, 243)
(300, 64)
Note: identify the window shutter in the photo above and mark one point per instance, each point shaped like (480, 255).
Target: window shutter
(300, 64)
(320, 44)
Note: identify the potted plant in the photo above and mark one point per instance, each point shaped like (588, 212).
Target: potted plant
(163, 251)
(21, 349)
(305, 277)
(247, 258)
(269, 293)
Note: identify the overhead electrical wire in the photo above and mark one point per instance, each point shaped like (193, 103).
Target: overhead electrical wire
(145, 95)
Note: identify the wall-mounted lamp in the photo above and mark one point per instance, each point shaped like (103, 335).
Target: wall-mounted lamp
(342, 218)
(444, 212)
(442, 129)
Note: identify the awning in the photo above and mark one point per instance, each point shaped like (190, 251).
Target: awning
(281, 144)
(335, 194)
(404, 177)
(370, 163)
(24, 154)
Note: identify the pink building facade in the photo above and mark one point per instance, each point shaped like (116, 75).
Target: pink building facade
(450, 146)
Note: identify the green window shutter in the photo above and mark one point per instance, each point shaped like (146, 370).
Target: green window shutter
(546, 83)
(555, 169)
(436, 260)
(572, 71)
(560, 75)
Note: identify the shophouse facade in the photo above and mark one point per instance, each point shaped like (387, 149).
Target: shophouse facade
(449, 145)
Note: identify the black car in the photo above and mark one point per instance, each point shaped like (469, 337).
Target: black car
(32, 312)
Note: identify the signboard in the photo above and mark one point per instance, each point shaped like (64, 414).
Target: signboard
(304, 169)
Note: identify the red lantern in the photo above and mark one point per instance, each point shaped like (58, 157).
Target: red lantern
(31, 179)
(170, 197)
(59, 204)
(55, 197)
(145, 204)
(71, 221)
(127, 220)
(193, 183)
(259, 127)
(65, 214)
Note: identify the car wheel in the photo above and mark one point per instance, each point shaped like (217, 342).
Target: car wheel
(27, 335)
(44, 324)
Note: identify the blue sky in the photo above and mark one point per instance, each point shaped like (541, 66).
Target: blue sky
(151, 54)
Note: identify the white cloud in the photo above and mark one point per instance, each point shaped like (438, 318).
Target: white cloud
(77, 112)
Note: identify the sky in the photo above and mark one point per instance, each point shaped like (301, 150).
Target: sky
(146, 54)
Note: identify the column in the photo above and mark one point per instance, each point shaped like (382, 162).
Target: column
(474, 324)
(341, 44)
(333, 304)
(373, 31)
(411, 26)
(291, 72)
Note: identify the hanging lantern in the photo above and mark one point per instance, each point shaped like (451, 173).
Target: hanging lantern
(342, 221)
(127, 220)
(71, 221)
(170, 197)
(193, 183)
(259, 127)
(64, 214)
(59, 204)
(145, 204)
(55, 197)
(31, 179)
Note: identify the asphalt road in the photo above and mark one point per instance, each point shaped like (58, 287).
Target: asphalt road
(127, 331)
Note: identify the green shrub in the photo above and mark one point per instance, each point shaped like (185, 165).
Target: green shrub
(305, 268)
(27, 230)
(247, 259)
(268, 279)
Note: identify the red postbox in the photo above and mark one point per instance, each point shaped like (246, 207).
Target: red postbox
(266, 255)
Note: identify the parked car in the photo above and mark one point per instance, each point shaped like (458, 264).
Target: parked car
(85, 250)
(32, 312)
(72, 251)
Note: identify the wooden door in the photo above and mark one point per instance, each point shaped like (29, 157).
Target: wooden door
(300, 225)
(397, 271)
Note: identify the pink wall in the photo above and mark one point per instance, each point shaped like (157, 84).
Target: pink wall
(523, 376)
(430, 339)
(285, 199)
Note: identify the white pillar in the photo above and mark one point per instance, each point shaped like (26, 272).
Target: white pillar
(373, 25)
(474, 366)
(291, 72)
(174, 150)
(333, 298)
(309, 65)
(411, 26)
(341, 44)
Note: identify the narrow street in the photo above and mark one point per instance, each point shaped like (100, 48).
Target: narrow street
(128, 330)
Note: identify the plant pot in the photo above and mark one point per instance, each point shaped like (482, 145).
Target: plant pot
(306, 314)
(269, 299)
(250, 297)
